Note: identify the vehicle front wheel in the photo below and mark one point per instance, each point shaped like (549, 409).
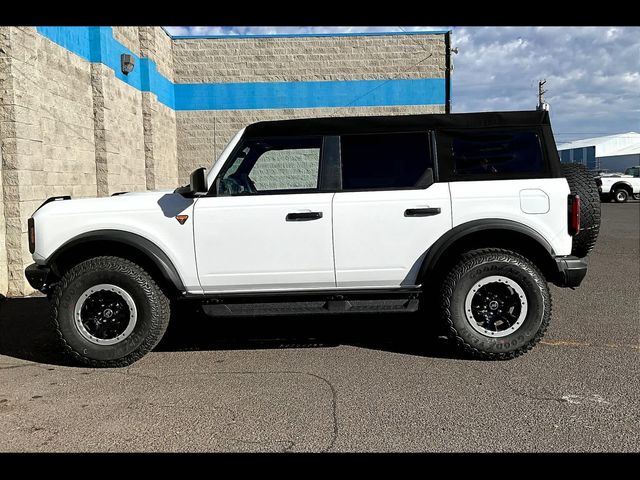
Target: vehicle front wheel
(620, 196)
(495, 303)
(109, 312)
(636, 196)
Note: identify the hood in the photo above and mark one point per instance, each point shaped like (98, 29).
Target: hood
(162, 200)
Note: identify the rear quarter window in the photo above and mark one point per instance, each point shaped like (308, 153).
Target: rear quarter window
(490, 155)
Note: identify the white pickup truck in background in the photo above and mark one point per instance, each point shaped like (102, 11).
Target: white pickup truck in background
(620, 187)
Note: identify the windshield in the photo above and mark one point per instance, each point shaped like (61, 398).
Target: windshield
(634, 171)
(223, 156)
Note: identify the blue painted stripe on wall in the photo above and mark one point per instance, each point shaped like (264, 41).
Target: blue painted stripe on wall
(272, 95)
(97, 44)
(75, 39)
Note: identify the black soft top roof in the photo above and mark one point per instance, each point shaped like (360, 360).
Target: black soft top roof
(376, 124)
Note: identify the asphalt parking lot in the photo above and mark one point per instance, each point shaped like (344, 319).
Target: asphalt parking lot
(344, 383)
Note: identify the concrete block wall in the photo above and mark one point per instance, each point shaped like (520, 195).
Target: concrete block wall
(159, 120)
(124, 136)
(129, 37)
(6, 92)
(71, 123)
(160, 144)
(47, 138)
(219, 60)
(202, 134)
(70, 127)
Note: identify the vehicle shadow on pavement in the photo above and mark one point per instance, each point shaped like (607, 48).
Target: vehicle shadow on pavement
(26, 333)
(397, 333)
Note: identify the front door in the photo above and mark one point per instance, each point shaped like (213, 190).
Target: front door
(269, 227)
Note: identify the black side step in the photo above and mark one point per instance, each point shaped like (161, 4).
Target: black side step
(305, 303)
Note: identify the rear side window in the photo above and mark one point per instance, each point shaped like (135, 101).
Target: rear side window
(490, 154)
(385, 161)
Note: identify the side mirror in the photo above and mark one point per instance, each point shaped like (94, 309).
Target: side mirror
(197, 184)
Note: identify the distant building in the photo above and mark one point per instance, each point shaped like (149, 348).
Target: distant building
(612, 152)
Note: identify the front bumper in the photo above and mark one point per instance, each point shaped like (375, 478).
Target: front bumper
(571, 271)
(39, 277)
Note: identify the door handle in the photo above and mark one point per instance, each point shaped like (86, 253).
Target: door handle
(303, 216)
(421, 212)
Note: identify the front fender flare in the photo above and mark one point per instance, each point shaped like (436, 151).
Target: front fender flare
(144, 245)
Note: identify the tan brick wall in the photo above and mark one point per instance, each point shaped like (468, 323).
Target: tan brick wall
(47, 136)
(4, 281)
(129, 37)
(5, 79)
(157, 45)
(160, 144)
(308, 58)
(159, 121)
(203, 134)
(123, 135)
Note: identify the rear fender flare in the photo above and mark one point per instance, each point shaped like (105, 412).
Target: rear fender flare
(449, 239)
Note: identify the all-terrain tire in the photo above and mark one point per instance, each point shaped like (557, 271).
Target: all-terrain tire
(151, 304)
(476, 266)
(583, 184)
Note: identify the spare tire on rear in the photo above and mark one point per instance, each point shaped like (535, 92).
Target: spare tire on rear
(584, 185)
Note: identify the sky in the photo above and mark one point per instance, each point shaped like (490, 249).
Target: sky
(592, 73)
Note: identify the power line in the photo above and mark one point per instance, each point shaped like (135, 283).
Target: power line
(384, 83)
(395, 77)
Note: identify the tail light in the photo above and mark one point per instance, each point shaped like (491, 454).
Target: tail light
(574, 214)
(32, 235)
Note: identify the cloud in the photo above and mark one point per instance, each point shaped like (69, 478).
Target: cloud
(592, 73)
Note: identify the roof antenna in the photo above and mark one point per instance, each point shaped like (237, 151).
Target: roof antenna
(542, 105)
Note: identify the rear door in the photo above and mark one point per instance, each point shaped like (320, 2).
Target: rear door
(389, 211)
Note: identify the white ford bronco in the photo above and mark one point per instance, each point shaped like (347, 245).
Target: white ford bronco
(462, 219)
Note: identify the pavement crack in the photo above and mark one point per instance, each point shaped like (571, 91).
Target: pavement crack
(335, 429)
(334, 436)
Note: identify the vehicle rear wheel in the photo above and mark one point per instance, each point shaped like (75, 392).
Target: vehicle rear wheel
(621, 195)
(583, 184)
(636, 196)
(495, 303)
(109, 312)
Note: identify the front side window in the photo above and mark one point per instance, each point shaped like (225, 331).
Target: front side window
(490, 154)
(272, 165)
(384, 161)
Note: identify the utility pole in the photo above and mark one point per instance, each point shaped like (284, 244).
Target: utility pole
(542, 105)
